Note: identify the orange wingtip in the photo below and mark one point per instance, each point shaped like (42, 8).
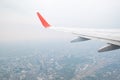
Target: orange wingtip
(43, 21)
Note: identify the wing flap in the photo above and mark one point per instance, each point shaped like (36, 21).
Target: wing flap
(79, 39)
(108, 47)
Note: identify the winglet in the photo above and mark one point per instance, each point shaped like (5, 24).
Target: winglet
(43, 21)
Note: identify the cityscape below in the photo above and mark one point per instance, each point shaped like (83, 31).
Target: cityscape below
(57, 61)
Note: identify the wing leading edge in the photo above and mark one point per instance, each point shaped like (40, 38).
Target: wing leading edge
(111, 36)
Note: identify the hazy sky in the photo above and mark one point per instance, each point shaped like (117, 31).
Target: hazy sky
(18, 20)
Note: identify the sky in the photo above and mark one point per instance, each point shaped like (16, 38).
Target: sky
(18, 20)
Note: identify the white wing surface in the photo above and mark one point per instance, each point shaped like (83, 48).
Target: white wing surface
(110, 36)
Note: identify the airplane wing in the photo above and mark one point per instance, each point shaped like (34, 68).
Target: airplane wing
(110, 36)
